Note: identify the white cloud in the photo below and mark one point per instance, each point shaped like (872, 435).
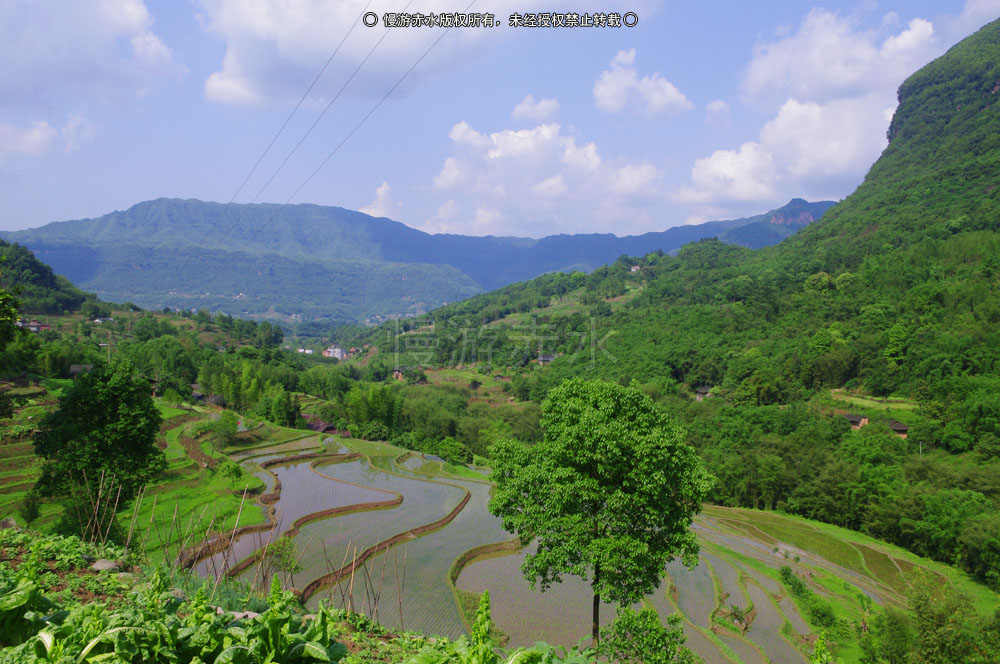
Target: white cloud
(488, 220)
(743, 175)
(464, 133)
(274, 48)
(826, 58)
(816, 143)
(635, 179)
(620, 87)
(452, 174)
(553, 186)
(57, 51)
(974, 15)
(585, 158)
(39, 137)
(530, 182)
(525, 143)
(445, 220)
(77, 130)
(809, 149)
(832, 88)
(717, 114)
(383, 205)
(33, 140)
(540, 110)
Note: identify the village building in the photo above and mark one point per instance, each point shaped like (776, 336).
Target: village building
(857, 421)
(33, 326)
(702, 392)
(336, 352)
(314, 423)
(899, 428)
(77, 369)
(545, 358)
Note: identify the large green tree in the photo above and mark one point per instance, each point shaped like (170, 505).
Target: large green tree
(106, 423)
(609, 493)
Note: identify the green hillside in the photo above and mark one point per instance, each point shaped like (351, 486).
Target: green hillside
(38, 288)
(309, 262)
(892, 293)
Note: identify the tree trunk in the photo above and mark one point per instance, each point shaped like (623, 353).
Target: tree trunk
(597, 605)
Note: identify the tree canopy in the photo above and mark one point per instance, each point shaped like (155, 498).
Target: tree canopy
(609, 493)
(106, 422)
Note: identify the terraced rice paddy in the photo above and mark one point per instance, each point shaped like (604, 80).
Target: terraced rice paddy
(441, 517)
(765, 630)
(328, 543)
(561, 614)
(428, 603)
(296, 504)
(291, 447)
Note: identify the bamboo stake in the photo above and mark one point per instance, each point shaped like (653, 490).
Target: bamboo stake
(114, 511)
(399, 591)
(187, 540)
(401, 628)
(135, 515)
(350, 587)
(233, 537)
(170, 536)
(145, 539)
(381, 578)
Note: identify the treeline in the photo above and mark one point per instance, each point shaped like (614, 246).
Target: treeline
(37, 287)
(805, 461)
(436, 419)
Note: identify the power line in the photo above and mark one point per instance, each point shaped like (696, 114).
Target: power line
(364, 119)
(288, 119)
(315, 122)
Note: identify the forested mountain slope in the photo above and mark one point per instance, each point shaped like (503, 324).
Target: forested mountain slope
(38, 288)
(329, 263)
(894, 292)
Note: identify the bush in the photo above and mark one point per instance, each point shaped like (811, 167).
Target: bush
(171, 396)
(639, 638)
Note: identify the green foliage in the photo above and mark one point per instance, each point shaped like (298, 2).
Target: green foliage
(106, 423)
(609, 493)
(282, 558)
(403, 270)
(39, 289)
(819, 611)
(154, 627)
(637, 637)
(478, 648)
(941, 627)
(892, 292)
(820, 655)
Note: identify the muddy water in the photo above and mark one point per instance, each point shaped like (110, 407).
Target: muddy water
(282, 449)
(766, 629)
(303, 492)
(697, 641)
(561, 615)
(428, 603)
(326, 544)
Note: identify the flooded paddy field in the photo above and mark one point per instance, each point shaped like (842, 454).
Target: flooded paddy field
(408, 521)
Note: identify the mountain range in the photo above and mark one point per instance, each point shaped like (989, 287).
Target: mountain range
(325, 263)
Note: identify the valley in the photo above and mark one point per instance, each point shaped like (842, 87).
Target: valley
(446, 449)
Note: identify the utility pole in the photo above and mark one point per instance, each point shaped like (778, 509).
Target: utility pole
(109, 346)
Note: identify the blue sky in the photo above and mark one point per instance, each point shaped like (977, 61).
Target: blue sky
(705, 110)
